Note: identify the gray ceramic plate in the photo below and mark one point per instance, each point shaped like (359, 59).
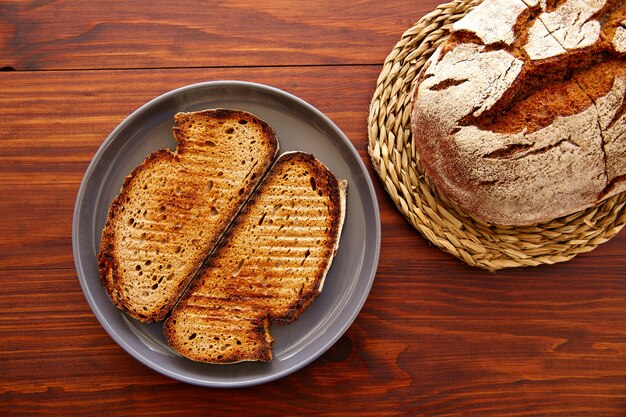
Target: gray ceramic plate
(299, 126)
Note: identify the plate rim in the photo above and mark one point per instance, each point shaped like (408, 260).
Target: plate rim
(154, 365)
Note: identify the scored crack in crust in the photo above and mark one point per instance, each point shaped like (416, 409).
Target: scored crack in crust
(519, 117)
(173, 208)
(269, 267)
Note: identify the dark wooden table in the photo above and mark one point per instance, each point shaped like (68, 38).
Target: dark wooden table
(435, 337)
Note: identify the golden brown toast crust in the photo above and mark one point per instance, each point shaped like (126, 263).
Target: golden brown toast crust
(173, 208)
(268, 267)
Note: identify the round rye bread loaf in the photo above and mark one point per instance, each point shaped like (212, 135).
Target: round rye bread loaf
(519, 117)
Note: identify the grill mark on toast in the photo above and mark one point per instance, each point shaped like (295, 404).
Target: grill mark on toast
(289, 233)
(173, 184)
(277, 294)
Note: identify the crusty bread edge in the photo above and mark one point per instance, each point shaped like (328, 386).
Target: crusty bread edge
(343, 195)
(107, 263)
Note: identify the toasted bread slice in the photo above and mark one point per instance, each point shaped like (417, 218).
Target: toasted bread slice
(270, 265)
(174, 207)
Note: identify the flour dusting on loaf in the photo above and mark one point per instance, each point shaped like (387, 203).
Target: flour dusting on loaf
(519, 117)
(489, 24)
(619, 40)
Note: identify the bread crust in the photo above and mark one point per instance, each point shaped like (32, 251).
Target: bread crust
(523, 123)
(184, 203)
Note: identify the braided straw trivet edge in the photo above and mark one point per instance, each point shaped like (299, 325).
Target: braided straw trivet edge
(394, 158)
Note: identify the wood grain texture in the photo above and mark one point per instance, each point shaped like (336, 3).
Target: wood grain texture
(139, 34)
(55, 121)
(452, 344)
(435, 337)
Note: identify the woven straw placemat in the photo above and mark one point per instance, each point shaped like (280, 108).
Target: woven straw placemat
(394, 158)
